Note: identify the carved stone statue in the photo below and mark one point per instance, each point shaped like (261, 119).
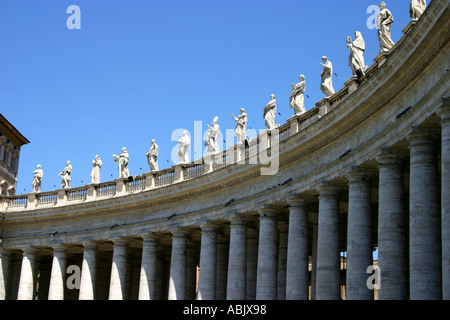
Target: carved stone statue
(416, 8)
(384, 22)
(241, 126)
(95, 173)
(326, 76)
(37, 178)
(183, 148)
(270, 111)
(297, 98)
(356, 58)
(213, 135)
(65, 175)
(123, 161)
(152, 156)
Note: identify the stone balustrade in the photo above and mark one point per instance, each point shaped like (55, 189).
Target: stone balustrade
(366, 168)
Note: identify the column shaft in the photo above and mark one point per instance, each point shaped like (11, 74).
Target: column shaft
(359, 237)
(424, 219)
(237, 261)
(27, 283)
(297, 254)
(266, 281)
(118, 271)
(328, 258)
(392, 239)
(252, 263)
(88, 272)
(4, 263)
(444, 113)
(56, 290)
(148, 268)
(207, 272)
(282, 259)
(177, 280)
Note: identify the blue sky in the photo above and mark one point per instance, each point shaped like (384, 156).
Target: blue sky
(139, 70)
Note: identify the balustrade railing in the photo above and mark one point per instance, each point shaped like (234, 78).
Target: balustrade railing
(191, 170)
(164, 178)
(107, 189)
(47, 198)
(138, 184)
(77, 194)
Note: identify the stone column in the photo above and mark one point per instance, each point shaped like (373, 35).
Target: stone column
(4, 263)
(191, 271)
(444, 113)
(177, 280)
(392, 239)
(297, 251)
(314, 221)
(27, 283)
(118, 270)
(328, 258)
(282, 259)
(222, 266)
(266, 278)
(425, 275)
(88, 272)
(58, 273)
(237, 260)
(359, 237)
(148, 268)
(252, 262)
(207, 272)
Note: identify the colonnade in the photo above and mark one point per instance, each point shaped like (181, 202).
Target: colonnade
(287, 249)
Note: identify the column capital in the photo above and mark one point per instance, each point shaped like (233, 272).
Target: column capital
(90, 245)
(29, 252)
(179, 233)
(358, 175)
(208, 226)
(329, 190)
(237, 220)
(121, 242)
(421, 135)
(150, 237)
(59, 248)
(267, 212)
(444, 110)
(388, 157)
(297, 201)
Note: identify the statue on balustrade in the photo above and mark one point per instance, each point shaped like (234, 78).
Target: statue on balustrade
(37, 178)
(270, 111)
(297, 98)
(183, 147)
(123, 160)
(152, 156)
(95, 173)
(416, 8)
(384, 22)
(213, 136)
(356, 58)
(241, 126)
(326, 85)
(65, 175)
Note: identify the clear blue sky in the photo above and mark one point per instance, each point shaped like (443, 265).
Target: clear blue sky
(138, 70)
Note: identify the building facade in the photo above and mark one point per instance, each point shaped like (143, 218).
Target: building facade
(368, 167)
(11, 140)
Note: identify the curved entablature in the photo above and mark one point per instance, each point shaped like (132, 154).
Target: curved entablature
(315, 160)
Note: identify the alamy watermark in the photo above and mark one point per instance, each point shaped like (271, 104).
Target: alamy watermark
(374, 280)
(262, 148)
(74, 20)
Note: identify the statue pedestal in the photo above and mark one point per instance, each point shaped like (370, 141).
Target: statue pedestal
(352, 84)
(409, 27)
